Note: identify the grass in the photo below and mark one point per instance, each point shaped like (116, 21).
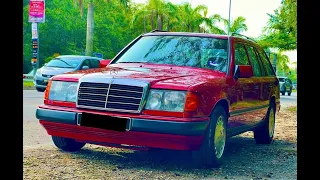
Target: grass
(292, 108)
(294, 90)
(28, 85)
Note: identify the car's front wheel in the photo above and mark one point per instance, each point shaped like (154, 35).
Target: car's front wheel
(212, 148)
(67, 144)
(41, 89)
(264, 133)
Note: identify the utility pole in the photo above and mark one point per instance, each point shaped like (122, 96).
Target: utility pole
(229, 17)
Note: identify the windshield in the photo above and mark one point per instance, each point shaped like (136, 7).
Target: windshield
(64, 62)
(211, 53)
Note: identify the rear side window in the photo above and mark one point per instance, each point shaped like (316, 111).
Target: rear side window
(241, 57)
(266, 62)
(95, 63)
(256, 66)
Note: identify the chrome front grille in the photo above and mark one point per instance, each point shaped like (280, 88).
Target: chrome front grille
(111, 96)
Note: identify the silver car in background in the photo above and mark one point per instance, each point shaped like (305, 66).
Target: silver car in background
(63, 64)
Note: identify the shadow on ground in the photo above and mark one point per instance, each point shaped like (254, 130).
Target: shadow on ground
(243, 158)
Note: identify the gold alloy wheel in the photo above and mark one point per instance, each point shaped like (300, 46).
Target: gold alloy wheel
(219, 137)
(271, 122)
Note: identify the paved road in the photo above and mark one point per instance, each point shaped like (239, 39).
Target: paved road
(286, 100)
(35, 135)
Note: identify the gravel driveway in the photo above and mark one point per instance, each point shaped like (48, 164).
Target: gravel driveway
(243, 159)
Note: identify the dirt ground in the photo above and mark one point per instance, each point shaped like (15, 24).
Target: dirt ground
(243, 159)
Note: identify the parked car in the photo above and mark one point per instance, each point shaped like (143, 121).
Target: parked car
(28, 76)
(286, 85)
(63, 64)
(181, 91)
(294, 86)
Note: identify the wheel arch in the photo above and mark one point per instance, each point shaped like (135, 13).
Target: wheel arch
(225, 104)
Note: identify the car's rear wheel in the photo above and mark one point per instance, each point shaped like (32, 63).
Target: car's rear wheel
(264, 133)
(67, 144)
(212, 148)
(41, 89)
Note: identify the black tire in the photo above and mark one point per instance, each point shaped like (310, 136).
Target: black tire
(289, 93)
(40, 89)
(261, 134)
(206, 155)
(283, 93)
(67, 144)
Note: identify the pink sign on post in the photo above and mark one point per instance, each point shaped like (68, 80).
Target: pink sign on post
(36, 11)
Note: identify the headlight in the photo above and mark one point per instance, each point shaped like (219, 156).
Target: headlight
(63, 91)
(166, 100)
(38, 72)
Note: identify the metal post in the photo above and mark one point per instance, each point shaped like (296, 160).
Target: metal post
(229, 17)
(35, 47)
(38, 47)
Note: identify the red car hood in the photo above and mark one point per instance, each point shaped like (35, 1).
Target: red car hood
(159, 76)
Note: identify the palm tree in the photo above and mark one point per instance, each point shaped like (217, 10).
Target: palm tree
(156, 9)
(90, 22)
(192, 17)
(236, 26)
(282, 62)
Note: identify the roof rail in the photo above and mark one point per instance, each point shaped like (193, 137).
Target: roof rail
(243, 36)
(156, 30)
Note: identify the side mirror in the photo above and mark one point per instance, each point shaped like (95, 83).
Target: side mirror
(242, 71)
(85, 67)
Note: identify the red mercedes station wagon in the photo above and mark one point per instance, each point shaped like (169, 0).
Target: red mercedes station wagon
(169, 90)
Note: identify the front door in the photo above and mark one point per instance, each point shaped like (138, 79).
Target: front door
(247, 95)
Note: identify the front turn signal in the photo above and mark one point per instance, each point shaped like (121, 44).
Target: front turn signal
(192, 102)
(46, 94)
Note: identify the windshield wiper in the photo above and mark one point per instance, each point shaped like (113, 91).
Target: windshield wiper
(65, 63)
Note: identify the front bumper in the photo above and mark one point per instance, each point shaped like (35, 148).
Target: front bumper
(149, 132)
(40, 81)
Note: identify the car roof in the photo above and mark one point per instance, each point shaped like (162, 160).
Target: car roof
(186, 34)
(80, 57)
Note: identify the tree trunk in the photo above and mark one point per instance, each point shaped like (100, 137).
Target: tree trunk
(152, 20)
(144, 24)
(90, 26)
(159, 23)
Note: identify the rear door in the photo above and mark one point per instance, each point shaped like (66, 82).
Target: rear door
(271, 81)
(261, 79)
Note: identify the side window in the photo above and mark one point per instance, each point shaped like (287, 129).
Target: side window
(95, 63)
(266, 63)
(256, 66)
(86, 63)
(241, 57)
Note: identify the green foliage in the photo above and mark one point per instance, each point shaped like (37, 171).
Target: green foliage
(118, 22)
(281, 30)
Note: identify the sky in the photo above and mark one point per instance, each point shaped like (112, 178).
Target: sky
(255, 12)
